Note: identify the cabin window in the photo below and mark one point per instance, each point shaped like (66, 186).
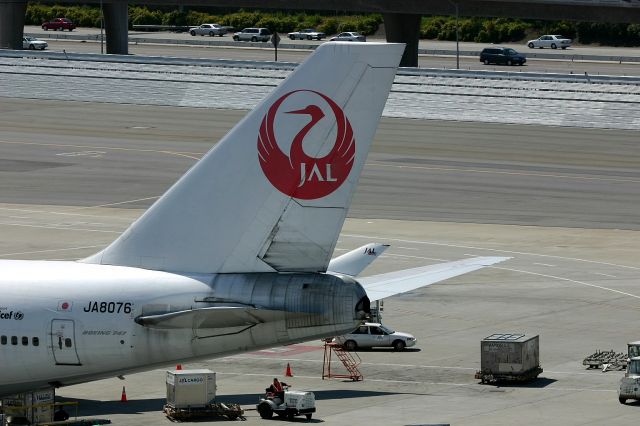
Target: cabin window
(25, 341)
(35, 341)
(14, 340)
(67, 342)
(3, 340)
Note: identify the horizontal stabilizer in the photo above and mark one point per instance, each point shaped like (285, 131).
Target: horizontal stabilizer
(392, 283)
(355, 261)
(214, 317)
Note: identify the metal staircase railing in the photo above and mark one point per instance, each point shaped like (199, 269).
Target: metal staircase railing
(350, 360)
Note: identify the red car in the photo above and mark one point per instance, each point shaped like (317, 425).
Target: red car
(59, 24)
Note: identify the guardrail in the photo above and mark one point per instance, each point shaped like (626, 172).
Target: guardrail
(173, 28)
(522, 75)
(156, 60)
(538, 55)
(287, 66)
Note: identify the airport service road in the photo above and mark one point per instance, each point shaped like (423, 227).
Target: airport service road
(560, 201)
(418, 170)
(298, 55)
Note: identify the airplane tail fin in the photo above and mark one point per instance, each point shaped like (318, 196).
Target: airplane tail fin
(355, 261)
(273, 194)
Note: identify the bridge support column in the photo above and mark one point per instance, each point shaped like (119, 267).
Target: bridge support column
(12, 14)
(404, 28)
(116, 24)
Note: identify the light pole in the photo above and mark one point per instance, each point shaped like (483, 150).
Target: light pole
(101, 29)
(457, 35)
(457, 39)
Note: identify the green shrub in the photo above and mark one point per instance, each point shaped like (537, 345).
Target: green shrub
(363, 24)
(281, 24)
(447, 31)
(565, 28)
(83, 16)
(605, 33)
(469, 29)
(633, 34)
(310, 21)
(37, 14)
(195, 18)
(174, 18)
(430, 26)
(329, 26)
(488, 33)
(242, 19)
(143, 16)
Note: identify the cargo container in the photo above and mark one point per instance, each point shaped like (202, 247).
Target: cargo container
(36, 407)
(190, 388)
(509, 356)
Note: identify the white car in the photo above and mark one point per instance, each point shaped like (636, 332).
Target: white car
(552, 41)
(307, 34)
(33, 43)
(349, 36)
(373, 334)
(208, 29)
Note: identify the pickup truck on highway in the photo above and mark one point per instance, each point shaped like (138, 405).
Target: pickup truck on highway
(59, 24)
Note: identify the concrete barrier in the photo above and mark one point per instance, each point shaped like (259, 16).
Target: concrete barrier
(163, 60)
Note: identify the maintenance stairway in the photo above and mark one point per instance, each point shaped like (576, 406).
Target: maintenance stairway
(350, 360)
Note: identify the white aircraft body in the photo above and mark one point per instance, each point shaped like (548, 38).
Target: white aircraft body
(234, 256)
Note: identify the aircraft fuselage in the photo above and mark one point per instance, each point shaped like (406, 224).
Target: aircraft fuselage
(63, 323)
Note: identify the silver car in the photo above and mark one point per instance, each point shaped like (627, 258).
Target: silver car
(33, 43)
(349, 36)
(373, 334)
(253, 34)
(552, 41)
(208, 29)
(306, 34)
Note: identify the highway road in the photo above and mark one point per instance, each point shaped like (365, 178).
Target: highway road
(295, 55)
(434, 59)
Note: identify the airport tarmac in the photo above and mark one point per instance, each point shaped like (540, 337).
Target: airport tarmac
(561, 201)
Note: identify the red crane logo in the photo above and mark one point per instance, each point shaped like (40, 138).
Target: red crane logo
(298, 174)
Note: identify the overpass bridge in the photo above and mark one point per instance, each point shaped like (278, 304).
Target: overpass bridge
(401, 17)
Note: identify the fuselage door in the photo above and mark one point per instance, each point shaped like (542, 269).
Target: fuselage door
(63, 342)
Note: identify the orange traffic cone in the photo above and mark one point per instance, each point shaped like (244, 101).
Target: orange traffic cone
(288, 373)
(179, 367)
(123, 398)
